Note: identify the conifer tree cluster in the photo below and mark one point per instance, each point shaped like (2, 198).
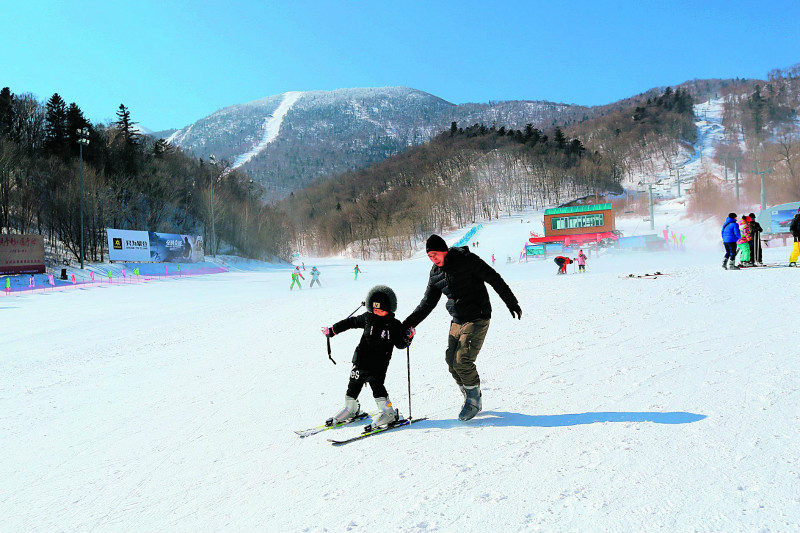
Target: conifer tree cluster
(131, 181)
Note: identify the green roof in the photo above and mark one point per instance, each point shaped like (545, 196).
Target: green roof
(577, 209)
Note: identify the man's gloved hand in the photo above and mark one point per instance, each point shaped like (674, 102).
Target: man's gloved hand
(328, 332)
(410, 336)
(516, 312)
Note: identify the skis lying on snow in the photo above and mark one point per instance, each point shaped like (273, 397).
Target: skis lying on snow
(654, 275)
(369, 431)
(325, 427)
(764, 265)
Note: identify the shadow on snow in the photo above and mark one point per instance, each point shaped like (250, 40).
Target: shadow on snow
(503, 419)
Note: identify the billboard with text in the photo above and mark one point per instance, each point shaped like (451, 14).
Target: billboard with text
(21, 254)
(145, 246)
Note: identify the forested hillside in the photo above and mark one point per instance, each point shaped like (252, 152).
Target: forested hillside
(467, 174)
(130, 181)
(763, 135)
(325, 133)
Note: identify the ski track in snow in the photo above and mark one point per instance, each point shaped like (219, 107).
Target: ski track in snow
(271, 127)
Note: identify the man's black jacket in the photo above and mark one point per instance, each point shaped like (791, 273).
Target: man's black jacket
(462, 279)
(794, 227)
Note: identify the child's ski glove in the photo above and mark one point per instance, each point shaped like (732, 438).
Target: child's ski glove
(410, 336)
(328, 332)
(516, 311)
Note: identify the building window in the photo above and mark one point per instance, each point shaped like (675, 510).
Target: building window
(578, 221)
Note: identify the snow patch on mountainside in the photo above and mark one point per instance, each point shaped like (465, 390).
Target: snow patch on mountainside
(271, 128)
(178, 137)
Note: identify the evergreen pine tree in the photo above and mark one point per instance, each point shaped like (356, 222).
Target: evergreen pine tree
(559, 138)
(6, 112)
(127, 139)
(55, 128)
(75, 121)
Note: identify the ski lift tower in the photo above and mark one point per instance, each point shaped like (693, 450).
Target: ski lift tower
(678, 175)
(649, 185)
(763, 188)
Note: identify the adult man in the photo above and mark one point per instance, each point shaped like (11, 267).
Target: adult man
(794, 227)
(755, 243)
(461, 276)
(730, 234)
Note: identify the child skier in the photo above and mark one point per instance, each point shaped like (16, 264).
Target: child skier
(314, 277)
(382, 332)
(581, 261)
(356, 270)
(296, 275)
(744, 241)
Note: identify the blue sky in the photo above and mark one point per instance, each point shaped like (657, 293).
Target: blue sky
(173, 62)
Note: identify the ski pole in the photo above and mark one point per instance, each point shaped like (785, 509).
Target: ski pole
(408, 359)
(329, 339)
(329, 350)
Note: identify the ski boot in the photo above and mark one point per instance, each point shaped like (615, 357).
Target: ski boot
(472, 403)
(387, 414)
(792, 264)
(351, 408)
(725, 264)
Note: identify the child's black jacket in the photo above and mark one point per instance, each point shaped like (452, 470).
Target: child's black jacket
(381, 335)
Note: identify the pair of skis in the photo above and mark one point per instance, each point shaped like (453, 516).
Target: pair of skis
(654, 275)
(764, 265)
(369, 431)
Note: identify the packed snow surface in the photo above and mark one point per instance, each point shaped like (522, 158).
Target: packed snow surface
(615, 404)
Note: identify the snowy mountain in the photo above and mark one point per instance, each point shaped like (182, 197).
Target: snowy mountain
(287, 140)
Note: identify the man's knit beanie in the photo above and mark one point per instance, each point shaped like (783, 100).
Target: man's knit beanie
(435, 244)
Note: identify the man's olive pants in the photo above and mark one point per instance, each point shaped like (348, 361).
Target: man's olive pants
(463, 345)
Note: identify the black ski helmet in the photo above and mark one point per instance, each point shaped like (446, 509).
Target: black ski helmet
(381, 297)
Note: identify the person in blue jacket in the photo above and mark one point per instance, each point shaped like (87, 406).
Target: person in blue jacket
(730, 234)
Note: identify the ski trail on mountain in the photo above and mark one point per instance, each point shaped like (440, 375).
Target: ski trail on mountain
(178, 137)
(272, 126)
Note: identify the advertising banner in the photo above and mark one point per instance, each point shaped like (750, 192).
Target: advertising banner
(21, 254)
(781, 220)
(149, 246)
(176, 248)
(128, 245)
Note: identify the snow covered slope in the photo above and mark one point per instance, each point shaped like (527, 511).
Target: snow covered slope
(615, 404)
(272, 127)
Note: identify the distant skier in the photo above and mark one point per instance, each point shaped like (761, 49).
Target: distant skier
(462, 277)
(356, 270)
(382, 333)
(755, 242)
(730, 234)
(187, 249)
(314, 277)
(562, 263)
(744, 241)
(296, 275)
(581, 261)
(493, 259)
(795, 229)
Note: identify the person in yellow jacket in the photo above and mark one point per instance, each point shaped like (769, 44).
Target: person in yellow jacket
(795, 229)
